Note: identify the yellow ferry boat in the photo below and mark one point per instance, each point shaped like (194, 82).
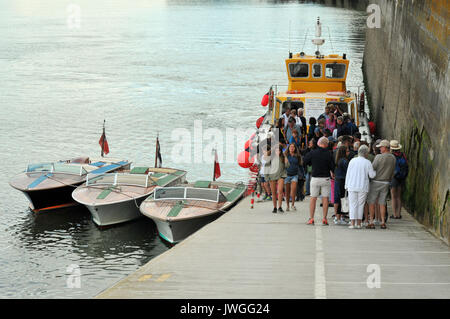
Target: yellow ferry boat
(315, 81)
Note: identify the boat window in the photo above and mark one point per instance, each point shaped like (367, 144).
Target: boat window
(40, 167)
(169, 192)
(317, 70)
(292, 105)
(202, 193)
(343, 107)
(68, 169)
(335, 70)
(299, 70)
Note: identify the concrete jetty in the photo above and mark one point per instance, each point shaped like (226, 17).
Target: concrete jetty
(253, 253)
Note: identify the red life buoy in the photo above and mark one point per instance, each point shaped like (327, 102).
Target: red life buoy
(244, 161)
(254, 168)
(265, 99)
(295, 91)
(259, 121)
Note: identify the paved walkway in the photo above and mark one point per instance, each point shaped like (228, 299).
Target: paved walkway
(252, 253)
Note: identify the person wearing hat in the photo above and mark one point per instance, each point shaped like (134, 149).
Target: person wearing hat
(384, 166)
(401, 172)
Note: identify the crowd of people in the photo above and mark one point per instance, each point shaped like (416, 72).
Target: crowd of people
(331, 161)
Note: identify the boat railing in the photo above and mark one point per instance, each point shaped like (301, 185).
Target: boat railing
(58, 167)
(120, 179)
(187, 193)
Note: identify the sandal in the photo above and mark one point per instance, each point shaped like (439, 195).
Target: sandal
(370, 226)
(383, 226)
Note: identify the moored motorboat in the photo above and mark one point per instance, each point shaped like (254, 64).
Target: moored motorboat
(115, 198)
(50, 185)
(182, 210)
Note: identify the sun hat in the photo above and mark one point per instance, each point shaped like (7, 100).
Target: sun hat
(395, 145)
(384, 143)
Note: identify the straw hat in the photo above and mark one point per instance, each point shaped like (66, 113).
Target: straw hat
(384, 143)
(395, 145)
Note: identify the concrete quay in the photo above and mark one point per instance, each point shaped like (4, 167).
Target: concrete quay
(253, 253)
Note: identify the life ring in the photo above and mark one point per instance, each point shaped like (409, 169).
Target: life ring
(295, 92)
(336, 93)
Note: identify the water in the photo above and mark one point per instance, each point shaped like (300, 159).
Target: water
(147, 68)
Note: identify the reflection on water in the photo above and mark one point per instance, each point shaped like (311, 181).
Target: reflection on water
(147, 68)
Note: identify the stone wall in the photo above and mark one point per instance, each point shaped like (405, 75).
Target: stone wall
(406, 71)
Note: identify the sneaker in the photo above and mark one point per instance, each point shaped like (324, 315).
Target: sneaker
(310, 221)
(351, 227)
(358, 226)
(265, 197)
(324, 222)
(335, 221)
(269, 197)
(342, 222)
(280, 210)
(274, 211)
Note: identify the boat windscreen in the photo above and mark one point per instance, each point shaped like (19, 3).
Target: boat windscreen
(119, 179)
(169, 192)
(202, 193)
(63, 168)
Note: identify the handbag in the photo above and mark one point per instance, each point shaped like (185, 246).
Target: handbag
(344, 203)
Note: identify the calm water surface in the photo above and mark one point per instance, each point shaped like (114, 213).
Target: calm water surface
(150, 67)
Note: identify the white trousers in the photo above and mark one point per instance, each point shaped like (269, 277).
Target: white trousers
(356, 201)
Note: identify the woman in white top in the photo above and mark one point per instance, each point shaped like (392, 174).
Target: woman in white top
(357, 184)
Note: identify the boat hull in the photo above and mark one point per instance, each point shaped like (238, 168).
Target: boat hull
(176, 231)
(53, 198)
(116, 213)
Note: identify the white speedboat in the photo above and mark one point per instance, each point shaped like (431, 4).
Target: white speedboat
(182, 210)
(115, 198)
(50, 185)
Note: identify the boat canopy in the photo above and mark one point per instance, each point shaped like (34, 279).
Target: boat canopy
(57, 167)
(120, 179)
(189, 193)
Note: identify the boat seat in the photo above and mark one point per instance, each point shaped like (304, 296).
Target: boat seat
(80, 160)
(202, 184)
(139, 170)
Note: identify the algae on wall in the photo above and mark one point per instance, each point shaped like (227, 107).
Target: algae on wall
(406, 74)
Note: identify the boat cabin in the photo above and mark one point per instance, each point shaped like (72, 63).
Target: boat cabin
(315, 81)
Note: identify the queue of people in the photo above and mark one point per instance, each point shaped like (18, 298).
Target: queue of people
(331, 162)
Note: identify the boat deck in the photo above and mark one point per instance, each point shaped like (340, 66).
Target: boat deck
(252, 253)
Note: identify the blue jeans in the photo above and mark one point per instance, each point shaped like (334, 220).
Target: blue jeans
(308, 182)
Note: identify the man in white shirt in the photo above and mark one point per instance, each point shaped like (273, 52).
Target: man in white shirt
(357, 184)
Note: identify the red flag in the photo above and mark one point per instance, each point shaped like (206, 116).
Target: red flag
(104, 144)
(216, 166)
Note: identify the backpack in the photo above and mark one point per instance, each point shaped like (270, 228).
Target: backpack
(401, 167)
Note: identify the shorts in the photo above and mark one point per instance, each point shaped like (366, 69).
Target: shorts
(397, 182)
(378, 190)
(320, 185)
(290, 179)
(262, 179)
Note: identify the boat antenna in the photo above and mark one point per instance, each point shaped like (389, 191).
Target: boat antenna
(306, 33)
(290, 54)
(331, 42)
(318, 41)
